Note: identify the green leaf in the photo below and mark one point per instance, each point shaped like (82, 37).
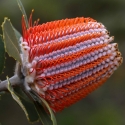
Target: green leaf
(10, 40)
(44, 117)
(50, 111)
(23, 12)
(2, 54)
(18, 35)
(42, 102)
(25, 103)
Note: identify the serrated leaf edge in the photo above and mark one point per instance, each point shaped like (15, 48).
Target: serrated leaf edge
(39, 113)
(51, 112)
(44, 103)
(10, 89)
(18, 47)
(11, 42)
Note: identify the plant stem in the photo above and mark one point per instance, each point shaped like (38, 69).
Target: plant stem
(14, 80)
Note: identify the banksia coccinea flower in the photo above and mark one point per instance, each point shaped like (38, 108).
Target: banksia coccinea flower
(65, 60)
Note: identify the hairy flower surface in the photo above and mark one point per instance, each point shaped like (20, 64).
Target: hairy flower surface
(67, 59)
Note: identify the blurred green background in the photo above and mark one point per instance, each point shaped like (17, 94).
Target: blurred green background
(106, 105)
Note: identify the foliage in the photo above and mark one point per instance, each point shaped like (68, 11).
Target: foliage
(2, 54)
(111, 13)
(33, 107)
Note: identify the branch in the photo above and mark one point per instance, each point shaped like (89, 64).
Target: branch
(15, 81)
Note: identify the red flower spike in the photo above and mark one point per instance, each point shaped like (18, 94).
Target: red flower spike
(65, 60)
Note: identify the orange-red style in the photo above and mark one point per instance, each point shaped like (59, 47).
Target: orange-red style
(67, 59)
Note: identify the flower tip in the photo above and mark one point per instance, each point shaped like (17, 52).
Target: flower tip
(38, 19)
(5, 18)
(121, 60)
(32, 10)
(112, 38)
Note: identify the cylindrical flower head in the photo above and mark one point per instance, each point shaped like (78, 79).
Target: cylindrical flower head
(67, 59)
